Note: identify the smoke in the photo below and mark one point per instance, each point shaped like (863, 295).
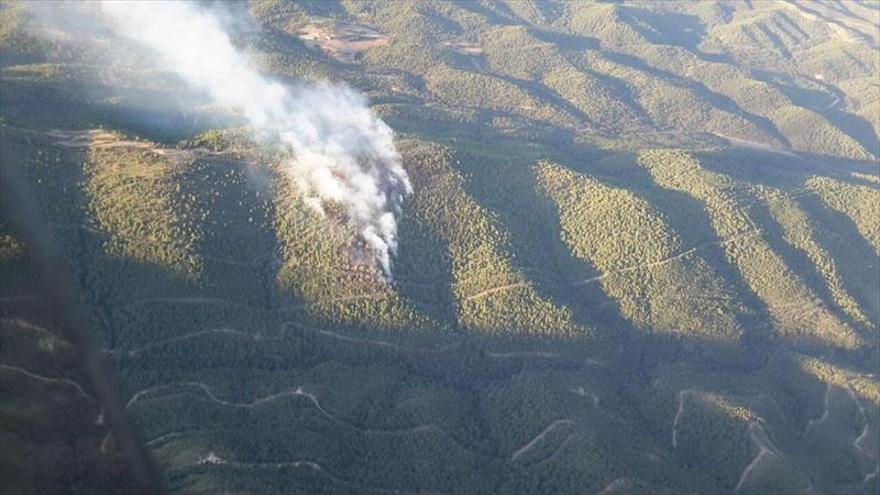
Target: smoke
(341, 152)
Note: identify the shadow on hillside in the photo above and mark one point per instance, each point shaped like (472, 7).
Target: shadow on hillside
(235, 213)
(541, 92)
(482, 387)
(538, 250)
(87, 104)
(795, 260)
(783, 171)
(674, 29)
(621, 91)
(834, 231)
(490, 15)
(360, 383)
(423, 272)
(715, 99)
(854, 258)
(50, 171)
(828, 103)
(566, 41)
(54, 422)
(687, 217)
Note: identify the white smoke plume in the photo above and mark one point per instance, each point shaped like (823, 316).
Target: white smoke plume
(341, 151)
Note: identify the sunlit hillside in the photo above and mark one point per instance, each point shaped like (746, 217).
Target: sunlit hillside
(640, 255)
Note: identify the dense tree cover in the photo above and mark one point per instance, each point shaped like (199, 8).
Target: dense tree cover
(490, 293)
(658, 282)
(564, 302)
(514, 52)
(596, 96)
(127, 183)
(798, 313)
(164, 348)
(857, 201)
(466, 89)
(810, 132)
(559, 58)
(50, 422)
(800, 233)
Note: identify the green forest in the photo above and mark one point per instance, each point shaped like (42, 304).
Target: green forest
(640, 256)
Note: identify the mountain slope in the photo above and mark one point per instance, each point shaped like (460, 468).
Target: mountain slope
(640, 256)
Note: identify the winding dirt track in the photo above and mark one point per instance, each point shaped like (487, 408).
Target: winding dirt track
(766, 448)
(297, 392)
(383, 343)
(873, 474)
(92, 138)
(153, 441)
(259, 338)
(857, 442)
(866, 428)
(9, 299)
(515, 285)
(583, 392)
(520, 354)
(561, 447)
(834, 103)
(681, 397)
(35, 328)
(355, 297)
(756, 433)
(222, 302)
(525, 448)
(213, 459)
(186, 300)
(478, 295)
(813, 422)
(653, 264)
(100, 139)
(191, 335)
(212, 397)
(47, 379)
(614, 485)
(493, 290)
(227, 261)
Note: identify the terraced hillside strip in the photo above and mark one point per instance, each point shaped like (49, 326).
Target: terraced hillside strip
(798, 314)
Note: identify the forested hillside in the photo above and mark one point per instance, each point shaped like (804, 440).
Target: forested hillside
(640, 255)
